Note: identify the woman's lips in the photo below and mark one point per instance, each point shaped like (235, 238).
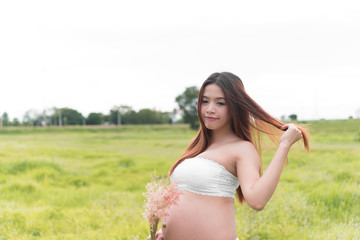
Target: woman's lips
(210, 118)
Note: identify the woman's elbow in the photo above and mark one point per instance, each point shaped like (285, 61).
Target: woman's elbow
(255, 201)
(257, 206)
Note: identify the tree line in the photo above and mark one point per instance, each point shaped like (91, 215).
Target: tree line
(118, 115)
(68, 116)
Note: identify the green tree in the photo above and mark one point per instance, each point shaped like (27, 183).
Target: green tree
(144, 116)
(293, 117)
(187, 102)
(130, 117)
(147, 116)
(5, 119)
(150, 116)
(68, 117)
(95, 119)
(117, 112)
(16, 122)
(165, 117)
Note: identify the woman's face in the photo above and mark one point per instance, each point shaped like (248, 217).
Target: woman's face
(214, 109)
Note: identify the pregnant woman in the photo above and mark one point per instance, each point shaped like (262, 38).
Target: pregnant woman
(223, 160)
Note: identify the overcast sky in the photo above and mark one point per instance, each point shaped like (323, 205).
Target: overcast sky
(299, 57)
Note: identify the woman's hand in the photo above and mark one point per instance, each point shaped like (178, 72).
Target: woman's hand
(158, 236)
(291, 135)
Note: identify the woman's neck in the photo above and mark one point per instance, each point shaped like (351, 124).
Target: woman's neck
(221, 135)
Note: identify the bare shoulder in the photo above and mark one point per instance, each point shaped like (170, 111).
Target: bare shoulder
(243, 144)
(240, 146)
(242, 150)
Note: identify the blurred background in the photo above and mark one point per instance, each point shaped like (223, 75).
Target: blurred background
(121, 79)
(91, 56)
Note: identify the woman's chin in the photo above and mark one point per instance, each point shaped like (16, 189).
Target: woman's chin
(211, 126)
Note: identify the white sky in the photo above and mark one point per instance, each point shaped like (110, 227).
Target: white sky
(299, 57)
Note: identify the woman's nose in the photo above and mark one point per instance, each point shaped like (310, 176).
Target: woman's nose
(210, 108)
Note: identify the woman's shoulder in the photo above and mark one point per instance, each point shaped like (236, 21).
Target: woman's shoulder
(239, 143)
(241, 148)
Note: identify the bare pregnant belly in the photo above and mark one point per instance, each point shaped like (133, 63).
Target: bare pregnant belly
(198, 217)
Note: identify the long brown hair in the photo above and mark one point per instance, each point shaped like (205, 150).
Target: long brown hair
(249, 120)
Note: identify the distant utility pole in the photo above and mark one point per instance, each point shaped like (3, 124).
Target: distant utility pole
(119, 117)
(60, 122)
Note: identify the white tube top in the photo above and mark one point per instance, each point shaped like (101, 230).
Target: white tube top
(203, 176)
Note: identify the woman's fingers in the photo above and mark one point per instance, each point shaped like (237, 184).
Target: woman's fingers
(291, 135)
(284, 127)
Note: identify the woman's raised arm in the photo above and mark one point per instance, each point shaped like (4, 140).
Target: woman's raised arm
(258, 190)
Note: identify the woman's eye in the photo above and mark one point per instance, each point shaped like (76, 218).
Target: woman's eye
(220, 103)
(204, 101)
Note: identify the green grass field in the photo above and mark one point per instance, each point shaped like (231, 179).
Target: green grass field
(87, 183)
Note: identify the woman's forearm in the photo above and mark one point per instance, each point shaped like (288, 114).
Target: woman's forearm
(264, 188)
